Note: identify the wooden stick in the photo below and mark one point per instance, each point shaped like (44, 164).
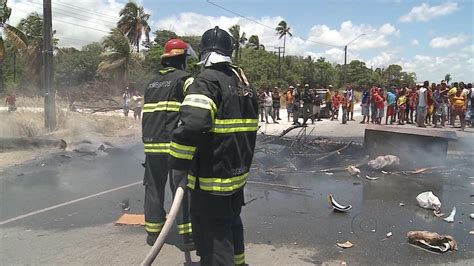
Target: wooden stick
(274, 185)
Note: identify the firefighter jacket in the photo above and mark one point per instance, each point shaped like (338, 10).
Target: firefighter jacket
(163, 97)
(216, 138)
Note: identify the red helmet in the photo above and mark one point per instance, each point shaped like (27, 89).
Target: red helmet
(174, 47)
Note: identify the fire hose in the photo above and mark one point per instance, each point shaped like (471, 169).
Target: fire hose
(155, 250)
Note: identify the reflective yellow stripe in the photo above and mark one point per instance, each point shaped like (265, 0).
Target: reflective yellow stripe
(216, 184)
(182, 151)
(188, 82)
(239, 258)
(170, 106)
(185, 228)
(235, 125)
(200, 101)
(191, 182)
(166, 70)
(157, 147)
(153, 227)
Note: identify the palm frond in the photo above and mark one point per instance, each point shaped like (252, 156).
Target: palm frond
(2, 49)
(17, 37)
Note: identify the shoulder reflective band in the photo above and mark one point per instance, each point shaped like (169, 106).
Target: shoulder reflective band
(153, 227)
(215, 184)
(188, 82)
(170, 106)
(235, 125)
(166, 70)
(182, 151)
(185, 228)
(157, 147)
(239, 259)
(200, 101)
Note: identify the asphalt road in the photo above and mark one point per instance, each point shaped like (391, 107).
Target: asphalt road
(282, 226)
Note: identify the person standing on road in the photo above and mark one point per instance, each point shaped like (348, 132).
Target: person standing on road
(365, 105)
(350, 102)
(391, 102)
(276, 103)
(437, 104)
(214, 146)
(137, 105)
(307, 104)
(336, 101)
(268, 104)
(412, 99)
(328, 100)
(402, 106)
(296, 104)
(422, 104)
(344, 106)
(289, 102)
(316, 106)
(261, 104)
(451, 93)
(10, 101)
(163, 97)
(126, 97)
(459, 105)
(373, 108)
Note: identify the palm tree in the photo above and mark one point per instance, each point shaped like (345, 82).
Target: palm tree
(240, 40)
(133, 23)
(254, 43)
(12, 34)
(282, 30)
(119, 56)
(447, 78)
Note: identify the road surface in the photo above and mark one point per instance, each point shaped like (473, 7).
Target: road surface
(61, 210)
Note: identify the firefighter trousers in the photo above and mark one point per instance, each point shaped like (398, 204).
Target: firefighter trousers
(218, 231)
(156, 176)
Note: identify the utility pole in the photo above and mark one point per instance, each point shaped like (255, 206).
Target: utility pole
(279, 58)
(48, 90)
(345, 58)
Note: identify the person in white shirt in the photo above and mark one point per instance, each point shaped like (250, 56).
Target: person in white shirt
(422, 104)
(268, 104)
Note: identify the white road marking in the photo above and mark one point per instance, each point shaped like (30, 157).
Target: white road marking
(67, 203)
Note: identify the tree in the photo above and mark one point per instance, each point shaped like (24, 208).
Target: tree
(282, 30)
(254, 43)
(133, 23)
(162, 36)
(240, 40)
(119, 56)
(447, 78)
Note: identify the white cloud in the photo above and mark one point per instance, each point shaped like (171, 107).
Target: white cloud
(95, 17)
(375, 38)
(446, 42)
(425, 12)
(415, 42)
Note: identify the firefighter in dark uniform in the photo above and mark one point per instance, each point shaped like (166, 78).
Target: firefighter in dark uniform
(215, 144)
(163, 97)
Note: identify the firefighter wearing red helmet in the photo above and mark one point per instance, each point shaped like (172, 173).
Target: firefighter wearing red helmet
(163, 97)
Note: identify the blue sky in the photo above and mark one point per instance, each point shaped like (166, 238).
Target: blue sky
(431, 38)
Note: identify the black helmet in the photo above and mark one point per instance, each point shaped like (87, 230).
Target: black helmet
(216, 40)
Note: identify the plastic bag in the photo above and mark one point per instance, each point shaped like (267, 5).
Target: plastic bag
(428, 200)
(382, 162)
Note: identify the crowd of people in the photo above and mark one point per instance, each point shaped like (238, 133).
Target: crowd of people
(132, 100)
(436, 105)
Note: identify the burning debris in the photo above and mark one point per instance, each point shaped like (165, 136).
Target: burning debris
(384, 162)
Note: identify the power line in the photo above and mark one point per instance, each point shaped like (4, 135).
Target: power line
(84, 9)
(266, 26)
(78, 16)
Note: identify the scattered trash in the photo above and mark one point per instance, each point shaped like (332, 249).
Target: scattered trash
(337, 206)
(66, 156)
(373, 230)
(428, 200)
(389, 234)
(125, 204)
(382, 162)
(438, 213)
(354, 171)
(385, 172)
(20, 174)
(43, 164)
(471, 232)
(346, 244)
(432, 241)
(329, 173)
(276, 185)
(450, 218)
(471, 215)
(401, 204)
(371, 178)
